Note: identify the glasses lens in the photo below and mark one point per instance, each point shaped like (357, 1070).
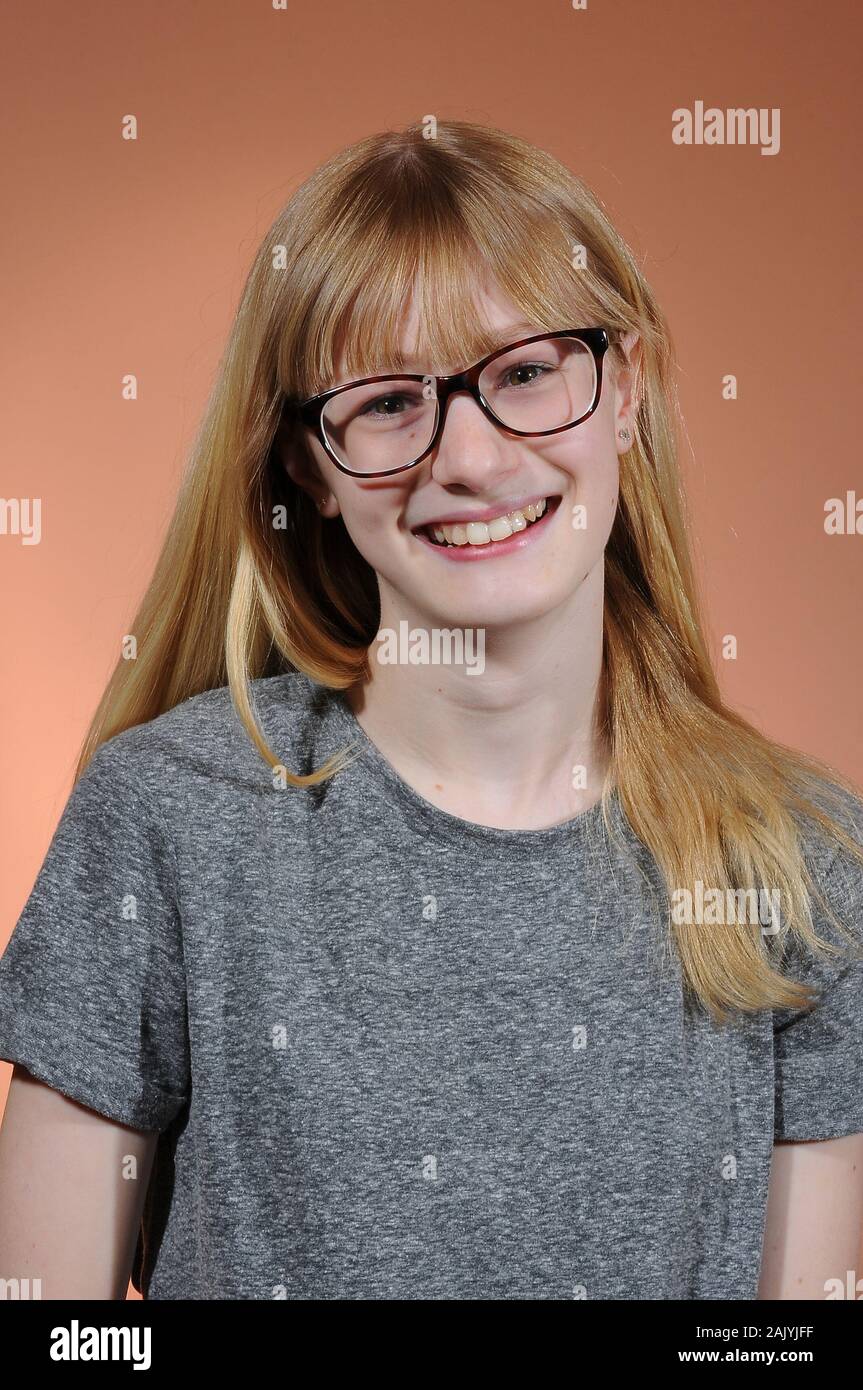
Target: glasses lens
(380, 426)
(542, 385)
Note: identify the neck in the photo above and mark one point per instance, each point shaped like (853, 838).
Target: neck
(505, 745)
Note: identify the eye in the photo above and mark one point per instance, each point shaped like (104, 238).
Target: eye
(538, 367)
(371, 408)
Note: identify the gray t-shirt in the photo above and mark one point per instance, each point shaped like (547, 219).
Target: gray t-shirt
(394, 1054)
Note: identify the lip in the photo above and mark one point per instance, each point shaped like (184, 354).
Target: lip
(460, 554)
(485, 514)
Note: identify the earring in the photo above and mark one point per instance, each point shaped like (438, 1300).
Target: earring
(322, 504)
(624, 434)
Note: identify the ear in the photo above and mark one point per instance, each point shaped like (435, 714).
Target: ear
(295, 456)
(627, 389)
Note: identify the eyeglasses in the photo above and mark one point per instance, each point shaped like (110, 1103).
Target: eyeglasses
(382, 425)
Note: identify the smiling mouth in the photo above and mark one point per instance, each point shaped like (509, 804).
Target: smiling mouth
(484, 533)
(475, 541)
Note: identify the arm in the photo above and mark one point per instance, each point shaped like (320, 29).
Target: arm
(68, 1215)
(814, 1217)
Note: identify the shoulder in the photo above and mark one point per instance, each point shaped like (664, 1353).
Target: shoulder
(825, 854)
(204, 737)
(837, 880)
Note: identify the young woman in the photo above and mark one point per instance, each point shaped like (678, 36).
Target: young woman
(397, 939)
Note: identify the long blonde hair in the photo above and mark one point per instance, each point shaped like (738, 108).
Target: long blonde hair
(251, 582)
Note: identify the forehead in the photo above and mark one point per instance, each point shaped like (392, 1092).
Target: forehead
(430, 298)
(496, 321)
(500, 335)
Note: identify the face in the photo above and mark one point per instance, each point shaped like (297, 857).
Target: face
(477, 472)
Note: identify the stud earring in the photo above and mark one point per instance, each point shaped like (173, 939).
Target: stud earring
(322, 504)
(624, 434)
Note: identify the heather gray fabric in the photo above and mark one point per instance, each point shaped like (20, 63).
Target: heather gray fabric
(393, 1054)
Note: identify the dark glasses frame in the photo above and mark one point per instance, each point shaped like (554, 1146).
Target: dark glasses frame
(310, 411)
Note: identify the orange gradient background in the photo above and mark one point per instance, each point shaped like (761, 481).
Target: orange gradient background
(126, 256)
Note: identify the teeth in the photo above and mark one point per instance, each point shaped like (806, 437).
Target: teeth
(482, 532)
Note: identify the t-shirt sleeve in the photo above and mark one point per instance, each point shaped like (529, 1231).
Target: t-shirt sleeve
(818, 1052)
(92, 981)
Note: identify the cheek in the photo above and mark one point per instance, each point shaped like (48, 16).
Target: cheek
(371, 519)
(599, 493)
(364, 525)
(593, 504)
(591, 469)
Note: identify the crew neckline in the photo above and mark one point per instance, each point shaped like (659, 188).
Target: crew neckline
(434, 821)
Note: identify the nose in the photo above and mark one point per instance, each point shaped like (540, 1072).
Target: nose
(471, 449)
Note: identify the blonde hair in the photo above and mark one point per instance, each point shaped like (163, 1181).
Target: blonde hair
(235, 596)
